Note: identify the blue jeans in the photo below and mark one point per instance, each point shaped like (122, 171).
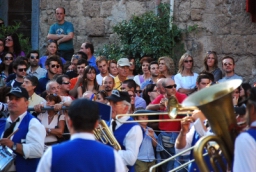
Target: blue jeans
(166, 142)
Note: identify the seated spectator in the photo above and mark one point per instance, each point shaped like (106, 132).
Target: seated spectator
(132, 97)
(132, 71)
(244, 93)
(154, 71)
(12, 45)
(89, 95)
(150, 93)
(139, 79)
(108, 84)
(112, 67)
(102, 64)
(7, 59)
(64, 85)
(166, 67)
(101, 97)
(3, 101)
(53, 122)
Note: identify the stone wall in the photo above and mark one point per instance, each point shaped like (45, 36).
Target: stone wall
(223, 26)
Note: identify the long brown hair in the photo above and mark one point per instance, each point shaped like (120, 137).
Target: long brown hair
(87, 70)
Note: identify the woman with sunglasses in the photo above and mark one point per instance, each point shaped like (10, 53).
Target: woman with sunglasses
(5, 67)
(51, 50)
(89, 82)
(139, 79)
(12, 44)
(211, 65)
(185, 79)
(53, 122)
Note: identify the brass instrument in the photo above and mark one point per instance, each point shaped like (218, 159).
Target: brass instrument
(216, 104)
(103, 134)
(173, 110)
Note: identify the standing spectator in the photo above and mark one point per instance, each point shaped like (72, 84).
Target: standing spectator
(108, 84)
(52, 64)
(112, 67)
(51, 50)
(20, 68)
(30, 83)
(35, 69)
(12, 44)
(154, 71)
(76, 82)
(63, 33)
(89, 82)
(166, 67)
(228, 66)
(211, 65)
(88, 49)
(186, 79)
(5, 67)
(123, 65)
(102, 64)
(131, 68)
(28, 142)
(139, 79)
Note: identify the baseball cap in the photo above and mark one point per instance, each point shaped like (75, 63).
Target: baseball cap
(123, 62)
(117, 96)
(18, 92)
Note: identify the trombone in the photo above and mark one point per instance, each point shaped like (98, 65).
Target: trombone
(174, 109)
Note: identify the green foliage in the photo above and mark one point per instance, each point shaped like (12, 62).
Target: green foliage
(7, 30)
(111, 51)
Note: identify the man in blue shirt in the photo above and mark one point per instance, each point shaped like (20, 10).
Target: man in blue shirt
(63, 33)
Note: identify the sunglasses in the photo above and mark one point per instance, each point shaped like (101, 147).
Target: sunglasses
(186, 61)
(34, 57)
(53, 66)
(230, 64)
(8, 39)
(171, 86)
(66, 83)
(138, 91)
(8, 58)
(132, 95)
(22, 69)
(76, 56)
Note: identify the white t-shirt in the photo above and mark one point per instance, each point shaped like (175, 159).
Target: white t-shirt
(43, 117)
(186, 82)
(99, 78)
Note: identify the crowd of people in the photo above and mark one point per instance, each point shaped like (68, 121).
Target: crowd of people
(76, 80)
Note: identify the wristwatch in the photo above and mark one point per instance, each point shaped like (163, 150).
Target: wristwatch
(14, 146)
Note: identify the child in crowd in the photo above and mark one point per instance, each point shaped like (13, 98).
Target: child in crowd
(146, 156)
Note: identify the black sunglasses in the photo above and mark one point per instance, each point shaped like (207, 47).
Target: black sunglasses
(34, 57)
(138, 91)
(186, 61)
(76, 56)
(53, 66)
(8, 39)
(8, 58)
(22, 69)
(66, 83)
(171, 86)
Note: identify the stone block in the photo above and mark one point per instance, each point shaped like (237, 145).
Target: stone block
(106, 8)
(233, 44)
(241, 24)
(196, 14)
(250, 41)
(135, 8)
(99, 42)
(91, 8)
(118, 13)
(95, 27)
(43, 4)
(199, 4)
(183, 13)
(75, 9)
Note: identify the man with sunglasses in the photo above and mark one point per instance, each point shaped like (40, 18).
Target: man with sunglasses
(19, 68)
(228, 66)
(64, 82)
(35, 69)
(52, 64)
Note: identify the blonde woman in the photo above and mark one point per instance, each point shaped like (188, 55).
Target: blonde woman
(166, 66)
(211, 65)
(185, 79)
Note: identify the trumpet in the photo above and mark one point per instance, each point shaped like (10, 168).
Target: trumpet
(103, 134)
(174, 109)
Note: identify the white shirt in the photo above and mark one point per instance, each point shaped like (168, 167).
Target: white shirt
(33, 145)
(43, 117)
(132, 142)
(186, 82)
(45, 162)
(245, 152)
(39, 72)
(99, 78)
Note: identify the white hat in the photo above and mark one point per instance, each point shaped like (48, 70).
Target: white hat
(123, 62)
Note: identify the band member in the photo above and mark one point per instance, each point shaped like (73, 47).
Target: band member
(245, 144)
(28, 142)
(129, 136)
(82, 152)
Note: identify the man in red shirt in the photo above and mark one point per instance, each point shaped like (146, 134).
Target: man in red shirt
(169, 130)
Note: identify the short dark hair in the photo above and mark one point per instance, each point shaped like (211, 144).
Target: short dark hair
(59, 79)
(83, 55)
(53, 58)
(54, 98)
(89, 45)
(204, 75)
(32, 79)
(130, 83)
(84, 114)
(32, 51)
(82, 61)
(227, 57)
(151, 63)
(19, 61)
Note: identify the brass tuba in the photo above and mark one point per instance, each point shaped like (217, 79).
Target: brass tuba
(103, 134)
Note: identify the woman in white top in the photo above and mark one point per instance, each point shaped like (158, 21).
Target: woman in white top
(186, 79)
(139, 79)
(54, 122)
